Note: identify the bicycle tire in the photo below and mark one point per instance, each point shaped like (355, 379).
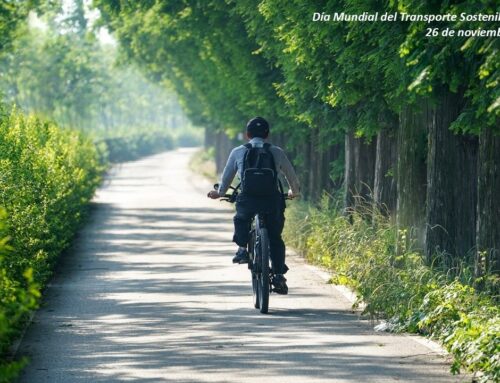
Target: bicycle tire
(264, 282)
(256, 293)
(255, 282)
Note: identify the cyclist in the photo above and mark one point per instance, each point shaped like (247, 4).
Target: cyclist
(257, 131)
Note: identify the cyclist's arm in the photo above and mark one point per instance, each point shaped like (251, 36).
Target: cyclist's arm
(285, 166)
(228, 174)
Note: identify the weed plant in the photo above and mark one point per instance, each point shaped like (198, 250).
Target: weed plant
(364, 251)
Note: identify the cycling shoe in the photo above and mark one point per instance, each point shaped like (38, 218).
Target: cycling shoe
(279, 283)
(241, 256)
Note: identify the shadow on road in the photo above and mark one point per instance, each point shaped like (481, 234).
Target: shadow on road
(173, 313)
(148, 294)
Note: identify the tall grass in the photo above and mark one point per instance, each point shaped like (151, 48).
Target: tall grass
(370, 256)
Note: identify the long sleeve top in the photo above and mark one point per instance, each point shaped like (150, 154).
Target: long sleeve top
(235, 165)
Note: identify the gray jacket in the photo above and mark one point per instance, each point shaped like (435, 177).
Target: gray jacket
(235, 165)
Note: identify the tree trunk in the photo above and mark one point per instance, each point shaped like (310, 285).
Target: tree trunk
(209, 138)
(364, 159)
(384, 189)
(331, 182)
(488, 207)
(411, 173)
(313, 157)
(349, 177)
(451, 187)
(223, 146)
(359, 171)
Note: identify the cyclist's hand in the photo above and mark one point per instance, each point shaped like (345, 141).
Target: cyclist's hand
(213, 194)
(292, 195)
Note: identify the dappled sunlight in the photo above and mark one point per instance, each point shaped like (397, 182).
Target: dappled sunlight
(149, 294)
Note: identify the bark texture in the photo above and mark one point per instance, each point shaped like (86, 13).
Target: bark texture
(349, 173)
(223, 146)
(411, 172)
(488, 219)
(209, 138)
(384, 188)
(451, 187)
(359, 171)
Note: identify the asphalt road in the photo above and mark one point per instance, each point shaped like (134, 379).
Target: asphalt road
(148, 294)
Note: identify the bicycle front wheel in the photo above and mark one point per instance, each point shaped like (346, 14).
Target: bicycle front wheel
(264, 282)
(254, 271)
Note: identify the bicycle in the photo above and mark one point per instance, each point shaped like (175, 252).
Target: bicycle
(259, 254)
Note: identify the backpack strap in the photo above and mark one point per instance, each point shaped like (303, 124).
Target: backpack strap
(267, 148)
(245, 158)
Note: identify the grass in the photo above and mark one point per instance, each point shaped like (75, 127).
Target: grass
(202, 162)
(396, 285)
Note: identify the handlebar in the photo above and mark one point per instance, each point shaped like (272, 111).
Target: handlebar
(231, 198)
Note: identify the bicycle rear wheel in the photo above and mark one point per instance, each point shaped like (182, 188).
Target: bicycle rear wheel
(263, 278)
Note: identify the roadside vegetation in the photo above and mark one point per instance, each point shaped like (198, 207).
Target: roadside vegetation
(375, 114)
(364, 251)
(68, 110)
(132, 146)
(202, 162)
(48, 176)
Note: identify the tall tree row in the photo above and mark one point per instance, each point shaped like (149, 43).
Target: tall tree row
(393, 118)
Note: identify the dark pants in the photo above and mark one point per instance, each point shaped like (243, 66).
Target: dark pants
(274, 208)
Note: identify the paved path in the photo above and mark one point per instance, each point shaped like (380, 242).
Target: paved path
(149, 294)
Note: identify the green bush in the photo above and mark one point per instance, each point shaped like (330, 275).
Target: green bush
(189, 138)
(17, 299)
(395, 284)
(47, 177)
(131, 147)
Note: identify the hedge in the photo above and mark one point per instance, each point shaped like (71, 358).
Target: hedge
(134, 146)
(47, 177)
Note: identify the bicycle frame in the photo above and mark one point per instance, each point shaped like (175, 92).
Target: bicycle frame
(259, 253)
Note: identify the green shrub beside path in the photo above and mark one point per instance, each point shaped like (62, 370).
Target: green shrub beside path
(47, 177)
(369, 256)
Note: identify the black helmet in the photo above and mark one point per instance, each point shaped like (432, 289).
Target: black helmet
(258, 127)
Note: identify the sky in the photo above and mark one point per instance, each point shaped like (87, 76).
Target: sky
(92, 14)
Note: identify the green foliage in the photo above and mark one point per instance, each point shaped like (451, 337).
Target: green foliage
(17, 298)
(139, 144)
(234, 59)
(188, 137)
(395, 284)
(11, 15)
(203, 163)
(462, 64)
(203, 50)
(73, 79)
(47, 177)
(468, 324)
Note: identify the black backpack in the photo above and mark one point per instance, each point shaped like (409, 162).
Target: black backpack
(259, 176)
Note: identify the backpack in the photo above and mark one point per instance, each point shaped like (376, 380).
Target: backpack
(259, 176)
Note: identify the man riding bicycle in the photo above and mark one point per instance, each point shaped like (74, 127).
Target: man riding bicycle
(254, 199)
